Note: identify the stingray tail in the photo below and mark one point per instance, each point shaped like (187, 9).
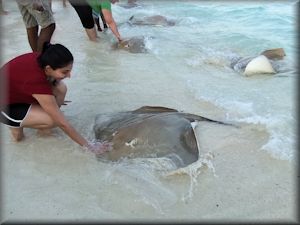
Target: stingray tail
(130, 20)
(194, 118)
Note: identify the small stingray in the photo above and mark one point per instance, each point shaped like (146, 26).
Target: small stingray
(156, 20)
(134, 45)
(129, 5)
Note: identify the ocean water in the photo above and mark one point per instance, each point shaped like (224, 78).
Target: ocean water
(207, 35)
(187, 67)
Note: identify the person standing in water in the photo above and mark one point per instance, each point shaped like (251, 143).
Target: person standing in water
(35, 93)
(64, 3)
(2, 10)
(85, 13)
(35, 14)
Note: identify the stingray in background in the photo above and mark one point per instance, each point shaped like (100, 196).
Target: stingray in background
(261, 64)
(155, 20)
(150, 132)
(130, 4)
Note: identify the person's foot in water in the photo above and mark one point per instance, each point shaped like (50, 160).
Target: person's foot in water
(17, 134)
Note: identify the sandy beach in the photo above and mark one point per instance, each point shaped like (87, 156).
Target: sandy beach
(50, 179)
(59, 183)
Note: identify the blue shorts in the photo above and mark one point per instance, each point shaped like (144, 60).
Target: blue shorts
(14, 114)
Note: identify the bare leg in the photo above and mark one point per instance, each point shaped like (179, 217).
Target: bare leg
(50, 4)
(37, 118)
(65, 3)
(60, 91)
(17, 133)
(92, 34)
(45, 35)
(2, 11)
(32, 34)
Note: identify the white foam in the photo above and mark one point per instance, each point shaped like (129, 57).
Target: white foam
(281, 144)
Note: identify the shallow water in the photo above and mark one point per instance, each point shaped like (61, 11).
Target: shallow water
(188, 69)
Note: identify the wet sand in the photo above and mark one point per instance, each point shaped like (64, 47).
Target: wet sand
(62, 183)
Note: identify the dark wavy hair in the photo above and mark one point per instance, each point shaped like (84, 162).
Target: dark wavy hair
(55, 55)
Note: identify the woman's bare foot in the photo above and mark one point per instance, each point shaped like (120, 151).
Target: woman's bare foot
(3, 12)
(17, 134)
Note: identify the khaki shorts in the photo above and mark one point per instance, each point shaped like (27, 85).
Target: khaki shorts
(33, 17)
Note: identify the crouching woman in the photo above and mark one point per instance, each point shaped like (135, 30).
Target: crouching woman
(35, 91)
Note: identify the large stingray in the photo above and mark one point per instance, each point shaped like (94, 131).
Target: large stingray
(263, 63)
(156, 20)
(134, 44)
(150, 132)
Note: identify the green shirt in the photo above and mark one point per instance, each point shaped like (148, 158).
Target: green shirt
(97, 5)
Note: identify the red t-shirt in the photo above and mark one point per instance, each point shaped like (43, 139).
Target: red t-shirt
(23, 78)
